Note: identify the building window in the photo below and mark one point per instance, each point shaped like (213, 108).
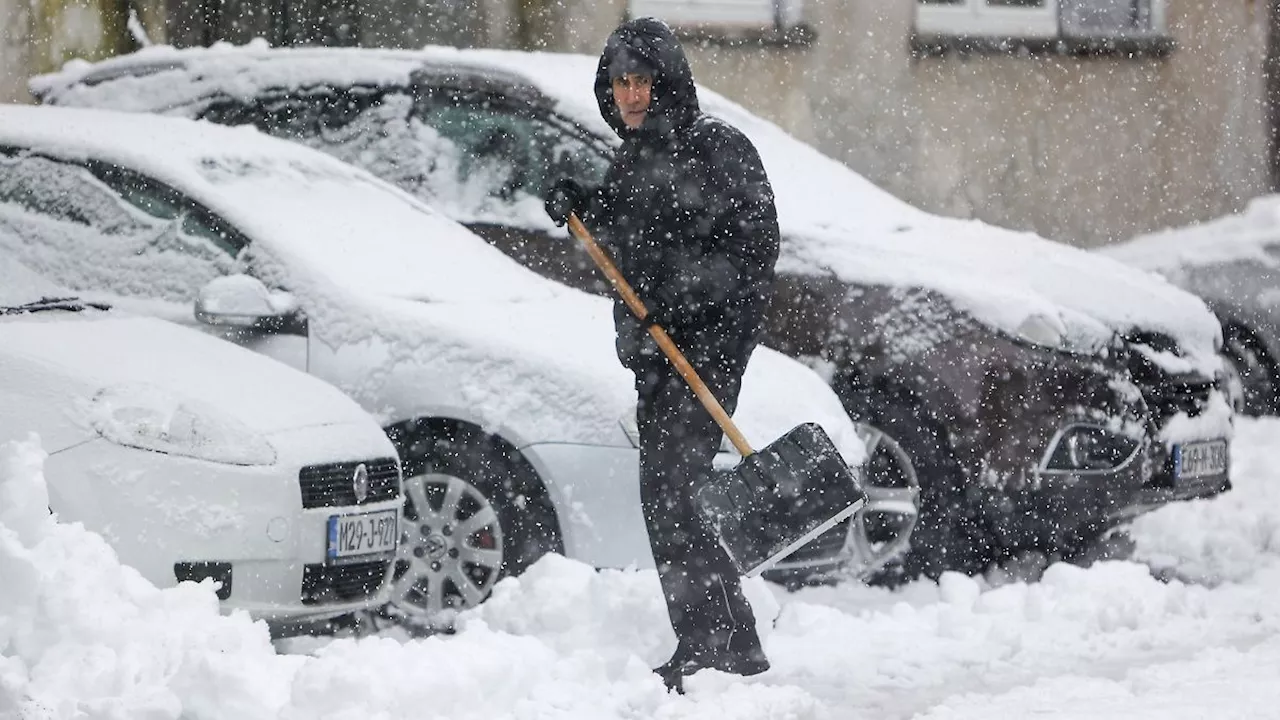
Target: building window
(1112, 18)
(990, 18)
(759, 19)
(1070, 24)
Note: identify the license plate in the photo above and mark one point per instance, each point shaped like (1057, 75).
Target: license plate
(357, 537)
(1199, 459)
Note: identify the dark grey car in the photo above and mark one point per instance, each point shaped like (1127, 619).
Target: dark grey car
(1233, 264)
(1040, 394)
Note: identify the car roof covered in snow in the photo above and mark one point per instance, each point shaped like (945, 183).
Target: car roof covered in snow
(1252, 235)
(834, 221)
(217, 164)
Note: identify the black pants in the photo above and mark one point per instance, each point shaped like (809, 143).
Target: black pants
(678, 440)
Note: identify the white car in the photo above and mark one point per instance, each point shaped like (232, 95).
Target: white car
(197, 459)
(500, 389)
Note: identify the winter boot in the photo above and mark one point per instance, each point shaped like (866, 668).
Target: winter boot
(741, 655)
(671, 671)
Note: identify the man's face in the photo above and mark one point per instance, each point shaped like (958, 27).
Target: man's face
(631, 93)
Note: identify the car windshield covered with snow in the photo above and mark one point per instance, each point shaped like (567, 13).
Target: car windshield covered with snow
(500, 388)
(1043, 395)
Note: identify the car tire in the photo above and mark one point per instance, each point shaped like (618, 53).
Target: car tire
(950, 534)
(1252, 371)
(487, 517)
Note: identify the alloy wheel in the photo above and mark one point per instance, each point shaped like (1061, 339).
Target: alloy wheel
(450, 553)
(882, 529)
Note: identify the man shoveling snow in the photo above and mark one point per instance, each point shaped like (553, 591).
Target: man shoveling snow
(688, 214)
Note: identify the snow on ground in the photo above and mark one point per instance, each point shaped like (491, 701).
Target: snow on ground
(82, 637)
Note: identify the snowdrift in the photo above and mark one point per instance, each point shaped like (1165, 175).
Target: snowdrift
(82, 636)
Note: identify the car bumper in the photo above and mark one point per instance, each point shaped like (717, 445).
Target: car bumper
(1059, 513)
(167, 515)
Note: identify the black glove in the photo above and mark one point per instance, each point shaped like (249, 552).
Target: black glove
(663, 303)
(565, 196)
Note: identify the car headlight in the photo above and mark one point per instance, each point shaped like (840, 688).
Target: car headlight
(1085, 448)
(149, 418)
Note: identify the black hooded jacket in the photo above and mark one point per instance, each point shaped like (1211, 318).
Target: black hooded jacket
(686, 211)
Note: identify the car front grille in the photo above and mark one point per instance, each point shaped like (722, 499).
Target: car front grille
(325, 584)
(1166, 394)
(1170, 396)
(333, 484)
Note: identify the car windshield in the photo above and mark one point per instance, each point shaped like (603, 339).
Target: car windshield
(363, 234)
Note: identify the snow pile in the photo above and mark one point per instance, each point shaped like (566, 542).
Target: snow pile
(1227, 682)
(1228, 538)
(1074, 623)
(561, 641)
(82, 636)
(570, 606)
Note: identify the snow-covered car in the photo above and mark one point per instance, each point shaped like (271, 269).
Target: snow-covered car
(1041, 394)
(197, 459)
(1233, 264)
(513, 420)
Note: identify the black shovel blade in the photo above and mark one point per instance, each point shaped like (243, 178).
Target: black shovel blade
(779, 498)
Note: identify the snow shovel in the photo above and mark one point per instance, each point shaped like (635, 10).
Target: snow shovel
(775, 500)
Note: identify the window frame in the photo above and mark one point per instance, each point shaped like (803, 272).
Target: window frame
(501, 104)
(976, 26)
(19, 153)
(980, 18)
(767, 22)
(187, 206)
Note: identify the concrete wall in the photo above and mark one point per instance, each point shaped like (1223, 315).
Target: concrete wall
(14, 50)
(40, 35)
(1084, 150)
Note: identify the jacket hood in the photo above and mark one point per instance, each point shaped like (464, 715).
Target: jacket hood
(674, 102)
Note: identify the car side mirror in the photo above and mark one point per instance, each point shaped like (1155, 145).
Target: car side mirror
(243, 301)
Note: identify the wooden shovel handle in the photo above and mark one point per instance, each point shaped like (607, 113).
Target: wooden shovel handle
(661, 337)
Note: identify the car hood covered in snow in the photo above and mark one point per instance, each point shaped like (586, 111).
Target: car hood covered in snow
(834, 221)
(418, 305)
(155, 363)
(121, 355)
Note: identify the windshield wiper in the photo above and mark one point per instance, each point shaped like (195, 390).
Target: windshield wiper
(73, 304)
